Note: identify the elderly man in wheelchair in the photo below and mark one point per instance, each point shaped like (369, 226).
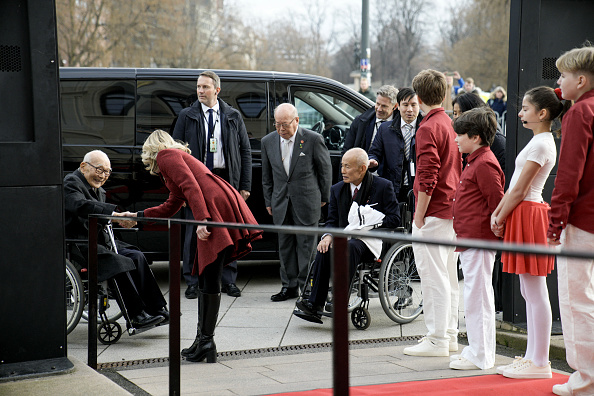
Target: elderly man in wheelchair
(360, 191)
(143, 303)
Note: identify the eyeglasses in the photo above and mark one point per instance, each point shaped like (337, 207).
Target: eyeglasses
(285, 125)
(100, 171)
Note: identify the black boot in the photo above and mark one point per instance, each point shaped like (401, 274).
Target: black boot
(207, 348)
(192, 349)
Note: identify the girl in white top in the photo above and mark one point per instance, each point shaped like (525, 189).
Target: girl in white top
(523, 216)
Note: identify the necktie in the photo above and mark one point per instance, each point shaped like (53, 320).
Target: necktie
(407, 133)
(209, 153)
(286, 155)
(377, 126)
(355, 193)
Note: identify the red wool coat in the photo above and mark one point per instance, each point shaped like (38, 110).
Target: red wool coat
(210, 197)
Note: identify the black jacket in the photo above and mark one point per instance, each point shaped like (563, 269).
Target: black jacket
(388, 150)
(190, 127)
(498, 148)
(380, 193)
(80, 200)
(356, 134)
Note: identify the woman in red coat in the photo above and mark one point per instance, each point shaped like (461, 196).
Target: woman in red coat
(211, 199)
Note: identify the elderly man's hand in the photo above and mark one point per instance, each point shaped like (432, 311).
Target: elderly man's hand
(325, 244)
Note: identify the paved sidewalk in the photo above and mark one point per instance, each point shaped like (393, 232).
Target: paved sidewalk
(266, 332)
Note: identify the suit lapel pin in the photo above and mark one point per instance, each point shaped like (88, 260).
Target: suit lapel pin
(301, 144)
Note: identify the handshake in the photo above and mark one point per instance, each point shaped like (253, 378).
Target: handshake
(125, 223)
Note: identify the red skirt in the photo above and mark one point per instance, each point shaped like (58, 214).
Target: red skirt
(527, 224)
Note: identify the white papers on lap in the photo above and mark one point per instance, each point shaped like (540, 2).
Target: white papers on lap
(363, 218)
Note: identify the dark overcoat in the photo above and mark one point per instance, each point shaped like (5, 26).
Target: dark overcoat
(81, 200)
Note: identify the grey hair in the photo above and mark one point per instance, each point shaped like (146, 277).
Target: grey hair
(390, 92)
(92, 154)
(289, 106)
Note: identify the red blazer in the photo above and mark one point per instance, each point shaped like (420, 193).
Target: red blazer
(210, 197)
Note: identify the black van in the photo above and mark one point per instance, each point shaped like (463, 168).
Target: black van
(115, 109)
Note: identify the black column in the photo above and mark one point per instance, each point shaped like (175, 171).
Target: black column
(32, 271)
(540, 31)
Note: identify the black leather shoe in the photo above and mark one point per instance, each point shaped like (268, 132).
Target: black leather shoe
(192, 292)
(144, 320)
(164, 313)
(307, 311)
(231, 289)
(285, 294)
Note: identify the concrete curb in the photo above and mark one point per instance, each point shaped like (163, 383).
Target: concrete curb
(515, 337)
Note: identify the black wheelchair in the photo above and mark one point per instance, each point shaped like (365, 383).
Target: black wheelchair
(110, 305)
(393, 277)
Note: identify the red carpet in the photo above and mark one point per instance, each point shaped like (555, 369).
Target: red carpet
(470, 386)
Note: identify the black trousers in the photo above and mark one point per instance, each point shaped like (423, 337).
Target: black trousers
(321, 269)
(139, 287)
(209, 281)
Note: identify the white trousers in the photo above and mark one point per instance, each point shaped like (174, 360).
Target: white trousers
(479, 306)
(437, 267)
(576, 302)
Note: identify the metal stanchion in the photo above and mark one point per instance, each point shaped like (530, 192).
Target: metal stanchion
(174, 308)
(340, 330)
(92, 287)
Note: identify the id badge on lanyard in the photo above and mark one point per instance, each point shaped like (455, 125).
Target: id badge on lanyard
(411, 168)
(213, 145)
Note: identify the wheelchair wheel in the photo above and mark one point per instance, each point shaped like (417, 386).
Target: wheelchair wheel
(112, 309)
(109, 332)
(399, 284)
(355, 298)
(74, 297)
(360, 318)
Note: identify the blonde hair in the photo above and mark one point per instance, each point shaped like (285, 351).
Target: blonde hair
(499, 89)
(430, 86)
(577, 60)
(157, 141)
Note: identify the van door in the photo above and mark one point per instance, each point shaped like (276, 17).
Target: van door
(324, 110)
(99, 115)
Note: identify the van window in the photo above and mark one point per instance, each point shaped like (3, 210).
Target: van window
(97, 112)
(160, 101)
(325, 113)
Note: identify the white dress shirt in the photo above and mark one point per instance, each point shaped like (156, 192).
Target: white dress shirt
(218, 157)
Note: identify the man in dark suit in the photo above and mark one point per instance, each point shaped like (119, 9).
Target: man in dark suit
(217, 136)
(296, 178)
(365, 126)
(360, 186)
(84, 195)
(394, 145)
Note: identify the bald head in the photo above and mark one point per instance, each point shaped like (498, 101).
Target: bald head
(286, 120)
(96, 168)
(354, 166)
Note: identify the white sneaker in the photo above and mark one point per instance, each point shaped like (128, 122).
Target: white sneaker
(562, 389)
(527, 369)
(426, 348)
(463, 364)
(455, 357)
(453, 343)
(501, 369)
